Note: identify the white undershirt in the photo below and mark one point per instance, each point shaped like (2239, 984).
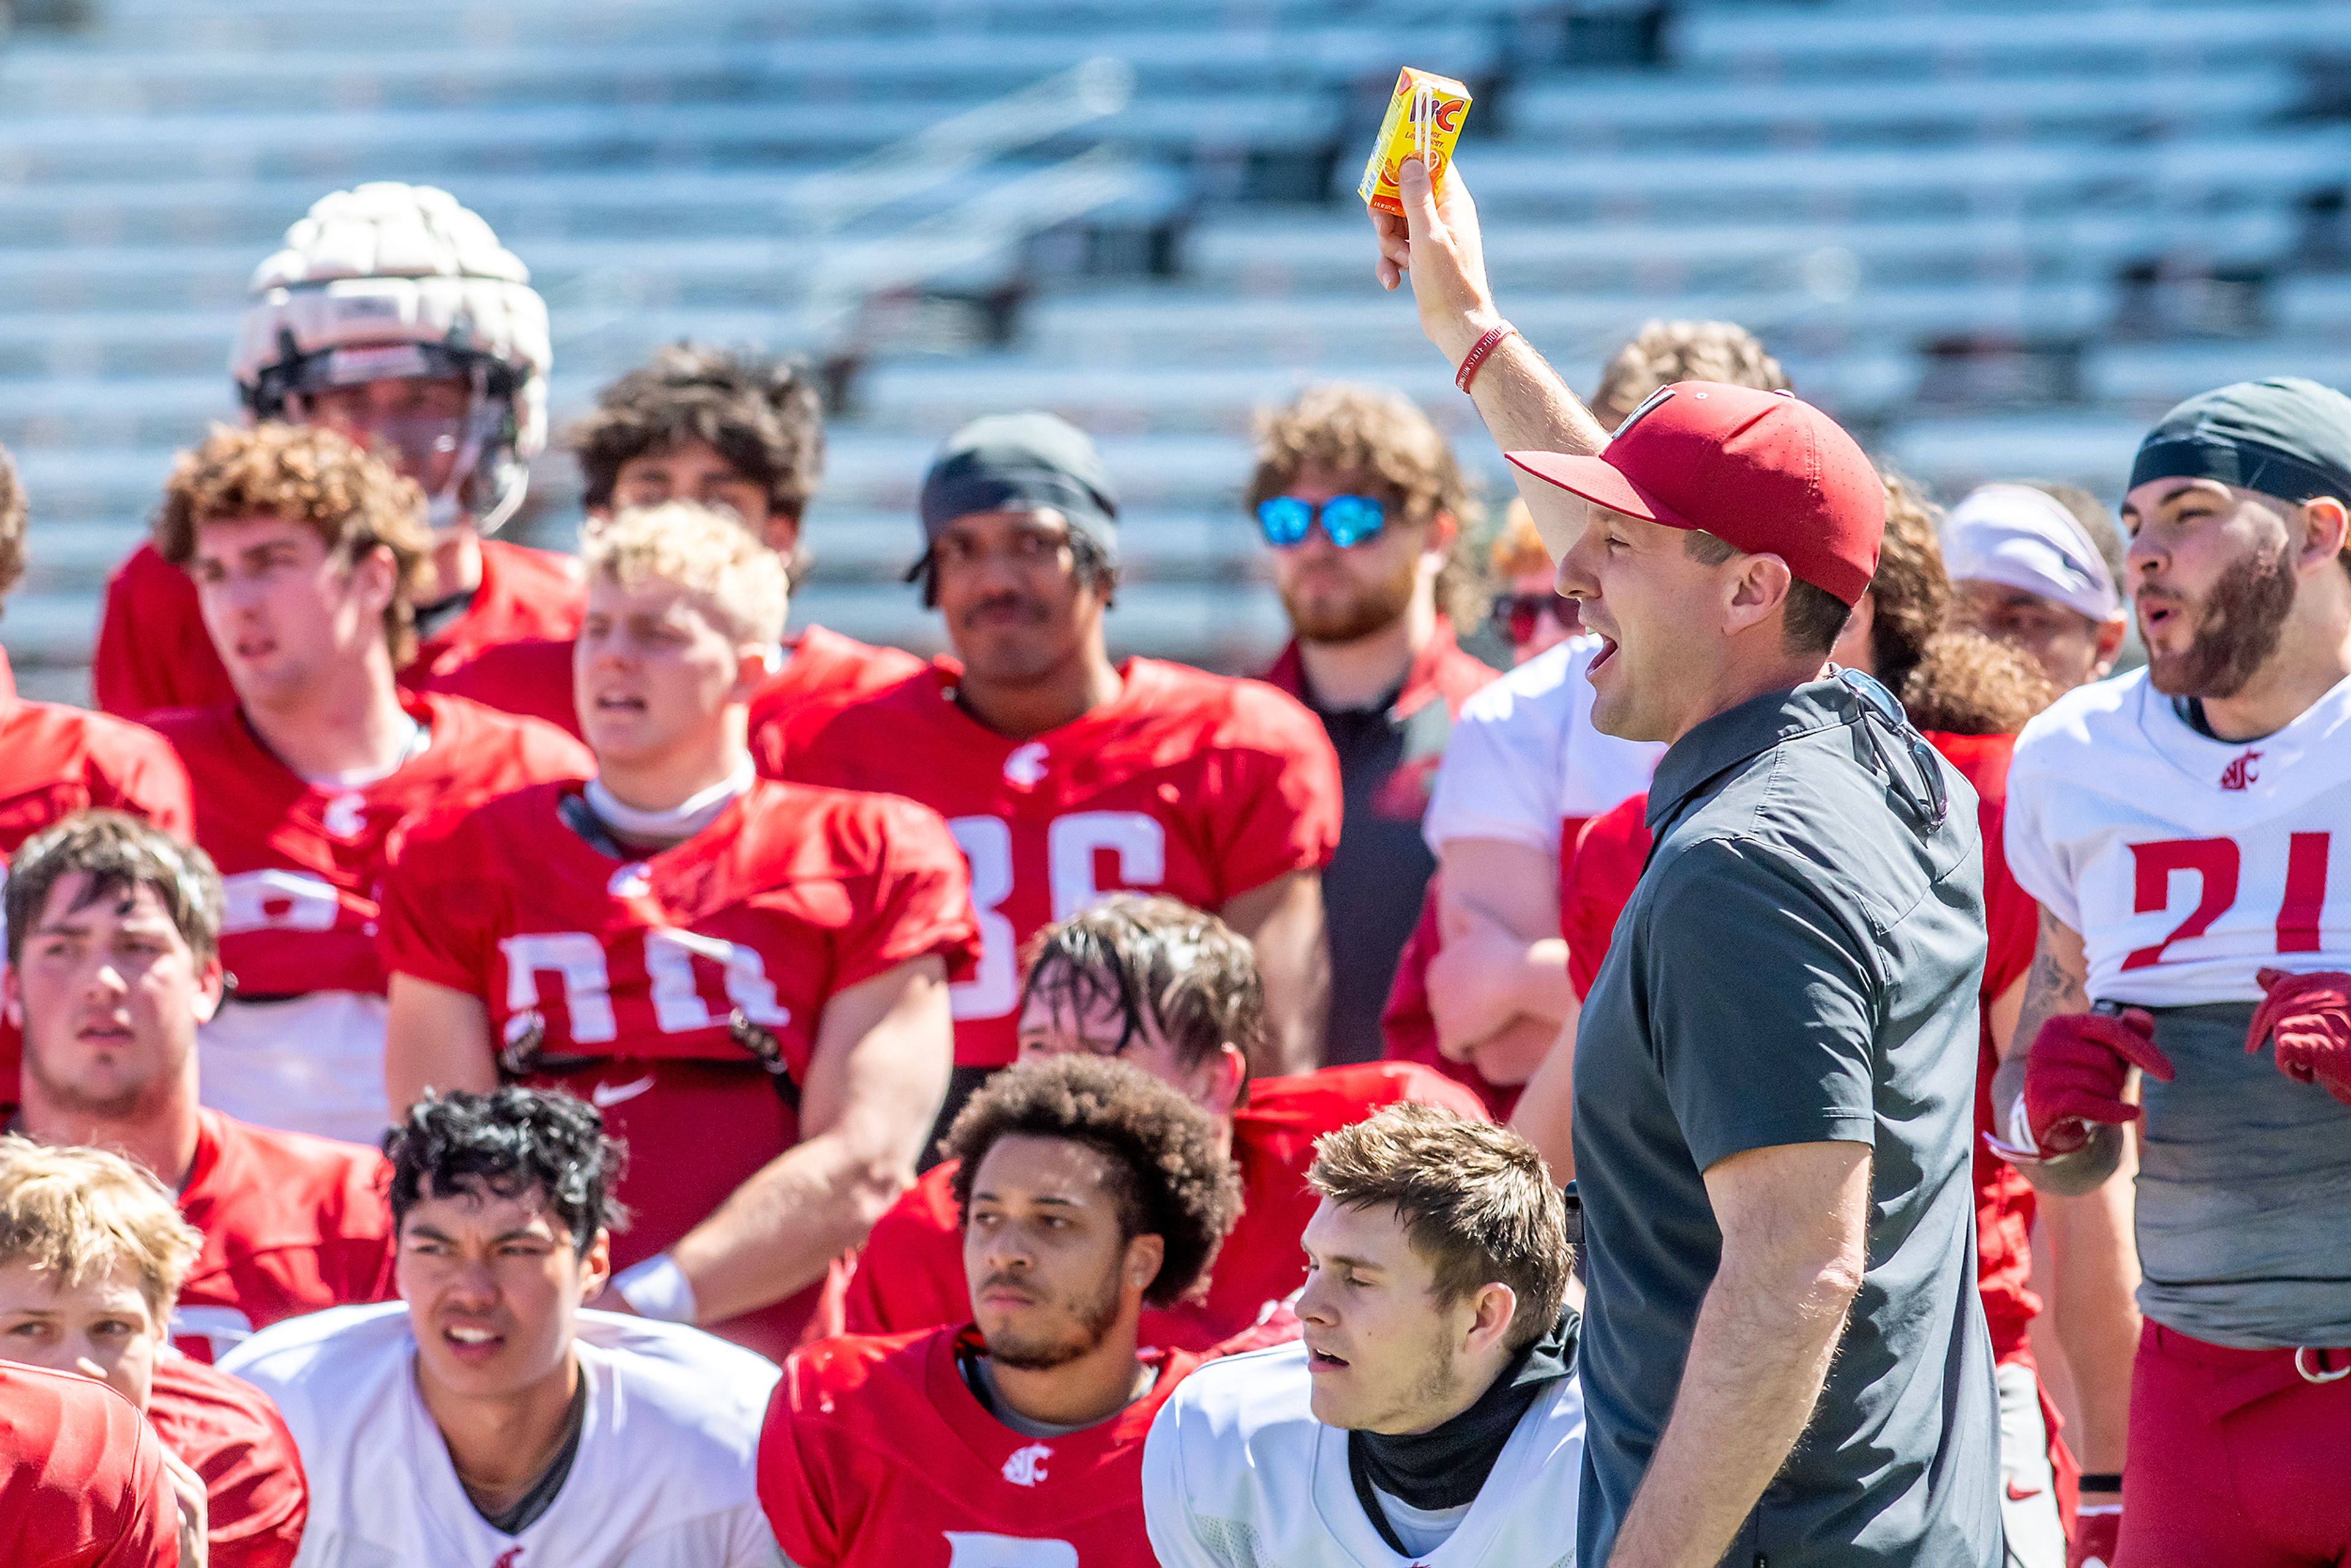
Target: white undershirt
(681, 821)
(412, 744)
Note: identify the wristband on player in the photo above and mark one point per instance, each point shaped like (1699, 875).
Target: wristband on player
(657, 1288)
(1479, 351)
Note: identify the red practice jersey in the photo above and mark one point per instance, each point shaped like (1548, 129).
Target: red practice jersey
(57, 760)
(876, 1453)
(292, 1224)
(153, 652)
(911, 1276)
(1615, 849)
(303, 867)
(1197, 786)
(230, 1432)
(81, 1477)
(681, 993)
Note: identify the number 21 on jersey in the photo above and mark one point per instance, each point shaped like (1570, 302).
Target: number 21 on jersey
(2217, 864)
(1072, 844)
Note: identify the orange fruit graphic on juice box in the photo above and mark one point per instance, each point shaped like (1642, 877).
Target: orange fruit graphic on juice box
(1423, 120)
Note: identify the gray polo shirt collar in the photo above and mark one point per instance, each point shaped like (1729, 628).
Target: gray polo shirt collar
(1733, 736)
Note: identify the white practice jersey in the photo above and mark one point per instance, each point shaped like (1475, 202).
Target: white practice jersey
(1238, 1473)
(1523, 757)
(2187, 864)
(664, 1475)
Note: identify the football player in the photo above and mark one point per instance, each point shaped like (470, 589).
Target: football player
(113, 963)
(2177, 826)
(1174, 991)
(748, 976)
(1013, 1436)
(484, 1418)
(1432, 1413)
(1481, 992)
(393, 315)
(726, 430)
(83, 1480)
(2036, 566)
(1065, 776)
(303, 550)
(55, 761)
(92, 1255)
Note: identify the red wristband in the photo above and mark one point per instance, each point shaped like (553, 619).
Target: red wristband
(1479, 351)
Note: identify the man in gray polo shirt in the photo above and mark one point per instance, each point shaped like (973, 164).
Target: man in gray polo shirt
(1785, 1360)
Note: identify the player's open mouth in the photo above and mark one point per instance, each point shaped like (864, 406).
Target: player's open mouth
(1322, 1361)
(256, 647)
(620, 704)
(1607, 651)
(471, 1343)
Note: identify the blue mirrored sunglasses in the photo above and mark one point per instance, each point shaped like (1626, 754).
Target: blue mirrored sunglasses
(1349, 520)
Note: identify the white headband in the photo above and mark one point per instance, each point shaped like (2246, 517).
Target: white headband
(2023, 537)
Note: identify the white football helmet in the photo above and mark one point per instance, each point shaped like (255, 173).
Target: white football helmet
(391, 280)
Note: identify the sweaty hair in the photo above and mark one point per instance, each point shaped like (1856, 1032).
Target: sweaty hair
(737, 580)
(310, 474)
(1814, 617)
(1375, 437)
(1167, 1175)
(510, 1142)
(761, 414)
(1910, 594)
(119, 854)
(12, 524)
(1474, 1199)
(1967, 684)
(1156, 960)
(1664, 352)
(79, 1214)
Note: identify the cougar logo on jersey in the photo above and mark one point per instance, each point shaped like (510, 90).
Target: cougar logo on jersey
(508, 1558)
(345, 816)
(1026, 766)
(2239, 771)
(631, 881)
(1026, 1467)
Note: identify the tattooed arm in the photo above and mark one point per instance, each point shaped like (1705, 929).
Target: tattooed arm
(2054, 987)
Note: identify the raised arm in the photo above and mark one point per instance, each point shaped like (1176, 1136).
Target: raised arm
(1283, 920)
(875, 1081)
(435, 1038)
(1794, 1220)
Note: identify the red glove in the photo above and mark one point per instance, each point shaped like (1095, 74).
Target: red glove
(2075, 1074)
(2096, 1527)
(2311, 1017)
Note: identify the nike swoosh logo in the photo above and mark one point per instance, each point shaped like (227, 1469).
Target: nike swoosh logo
(607, 1095)
(2015, 1492)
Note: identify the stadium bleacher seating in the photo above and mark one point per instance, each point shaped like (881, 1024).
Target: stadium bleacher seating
(1994, 237)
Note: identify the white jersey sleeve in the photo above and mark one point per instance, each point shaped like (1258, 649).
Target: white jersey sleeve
(662, 1478)
(1523, 756)
(1237, 1472)
(2187, 863)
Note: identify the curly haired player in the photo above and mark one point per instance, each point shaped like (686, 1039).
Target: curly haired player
(1015, 1439)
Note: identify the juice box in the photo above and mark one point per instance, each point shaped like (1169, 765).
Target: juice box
(1423, 121)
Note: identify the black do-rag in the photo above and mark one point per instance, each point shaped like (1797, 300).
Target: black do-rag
(1014, 461)
(2289, 438)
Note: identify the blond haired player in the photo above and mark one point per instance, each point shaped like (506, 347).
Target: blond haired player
(390, 313)
(92, 1254)
(305, 553)
(748, 978)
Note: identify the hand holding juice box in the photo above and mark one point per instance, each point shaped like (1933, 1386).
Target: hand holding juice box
(1423, 122)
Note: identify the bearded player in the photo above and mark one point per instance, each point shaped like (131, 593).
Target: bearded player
(1166, 988)
(1065, 776)
(55, 761)
(748, 978)
(393, 315)
(113, 963)
(305, 551)
(92, 1253)
(1013, 1438)
(729, 429)
(2177, 826)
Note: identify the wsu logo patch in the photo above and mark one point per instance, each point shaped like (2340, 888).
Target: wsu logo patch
(1026, 1467)
(2239, 771)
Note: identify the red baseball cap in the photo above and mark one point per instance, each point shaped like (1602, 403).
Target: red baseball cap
(1762, 471)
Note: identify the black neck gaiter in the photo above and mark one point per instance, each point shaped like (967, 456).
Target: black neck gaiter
(1445, 1465)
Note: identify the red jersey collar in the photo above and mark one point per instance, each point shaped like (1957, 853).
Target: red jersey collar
(1440, 669)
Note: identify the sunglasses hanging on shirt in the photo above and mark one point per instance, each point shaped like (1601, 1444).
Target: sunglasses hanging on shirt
(1347, 520)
